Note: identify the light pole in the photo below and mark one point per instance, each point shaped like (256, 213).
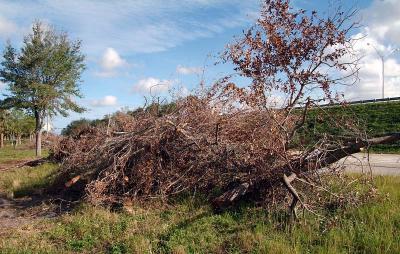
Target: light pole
(383, 58)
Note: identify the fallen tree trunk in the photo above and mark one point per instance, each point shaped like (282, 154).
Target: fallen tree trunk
(319, 160)
(30, 163)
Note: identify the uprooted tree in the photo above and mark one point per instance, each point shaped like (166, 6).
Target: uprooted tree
(302, 58)
(233, 143)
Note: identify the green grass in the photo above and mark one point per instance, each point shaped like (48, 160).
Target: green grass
(386, 149)
(9, 153)
(375, 119)
(23, 181)
(189, 226)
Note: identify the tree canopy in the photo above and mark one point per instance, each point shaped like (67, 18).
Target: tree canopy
(43, 76)
(295, 53)
(76, 126)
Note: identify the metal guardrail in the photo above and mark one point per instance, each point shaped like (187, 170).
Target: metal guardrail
(364, 101)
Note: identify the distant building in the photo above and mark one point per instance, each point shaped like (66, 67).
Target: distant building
(47, 127)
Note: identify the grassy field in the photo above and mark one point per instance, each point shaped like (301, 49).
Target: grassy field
(190, 226)
(375, 118)
(25, 181)
(9, 153)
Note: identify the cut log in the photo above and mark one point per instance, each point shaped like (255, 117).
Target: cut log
(72, 181)
(231, 196)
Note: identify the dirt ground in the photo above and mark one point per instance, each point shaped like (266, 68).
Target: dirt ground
(13, 164)
(21, 211)
(17, 212)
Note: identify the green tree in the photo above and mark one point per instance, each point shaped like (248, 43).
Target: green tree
(28, 126)
(3, 117)
(44, 76)
(15, 125)
(76, 126)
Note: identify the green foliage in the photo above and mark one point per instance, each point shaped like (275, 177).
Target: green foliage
(18, 122)
(76, 126)
(159, 109)
(43, 76)
(3, 118)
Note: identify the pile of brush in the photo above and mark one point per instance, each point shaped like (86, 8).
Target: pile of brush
(195, 148)
(227, 153)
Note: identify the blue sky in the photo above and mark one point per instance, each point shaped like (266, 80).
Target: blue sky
(132, 45)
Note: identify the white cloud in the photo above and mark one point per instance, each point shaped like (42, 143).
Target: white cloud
(382, 31)
(107, 101)
(383, 20)
(7, 27)
(110, 63)
(152, 85)
(179, 91)
(370, 84)
(135, 26)
(188, 70)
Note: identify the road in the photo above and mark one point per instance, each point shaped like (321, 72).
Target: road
(381, 164)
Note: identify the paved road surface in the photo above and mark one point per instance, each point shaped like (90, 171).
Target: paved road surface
(381, 164)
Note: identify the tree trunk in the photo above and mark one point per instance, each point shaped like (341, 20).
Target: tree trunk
(250, 189)
(14, 141)
(38, 143)
(38, 134)
(1, 140)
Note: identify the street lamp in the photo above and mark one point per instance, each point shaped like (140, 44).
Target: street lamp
(383, 57)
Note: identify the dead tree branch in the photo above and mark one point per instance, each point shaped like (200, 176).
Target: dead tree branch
(303, 165)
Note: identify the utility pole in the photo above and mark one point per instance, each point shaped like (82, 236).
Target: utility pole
(383, 58)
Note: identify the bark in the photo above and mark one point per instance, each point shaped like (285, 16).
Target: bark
(13, 141)
(299, 165)
(287, 180)
(38, 143)
(1, 140)
(38, 134)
